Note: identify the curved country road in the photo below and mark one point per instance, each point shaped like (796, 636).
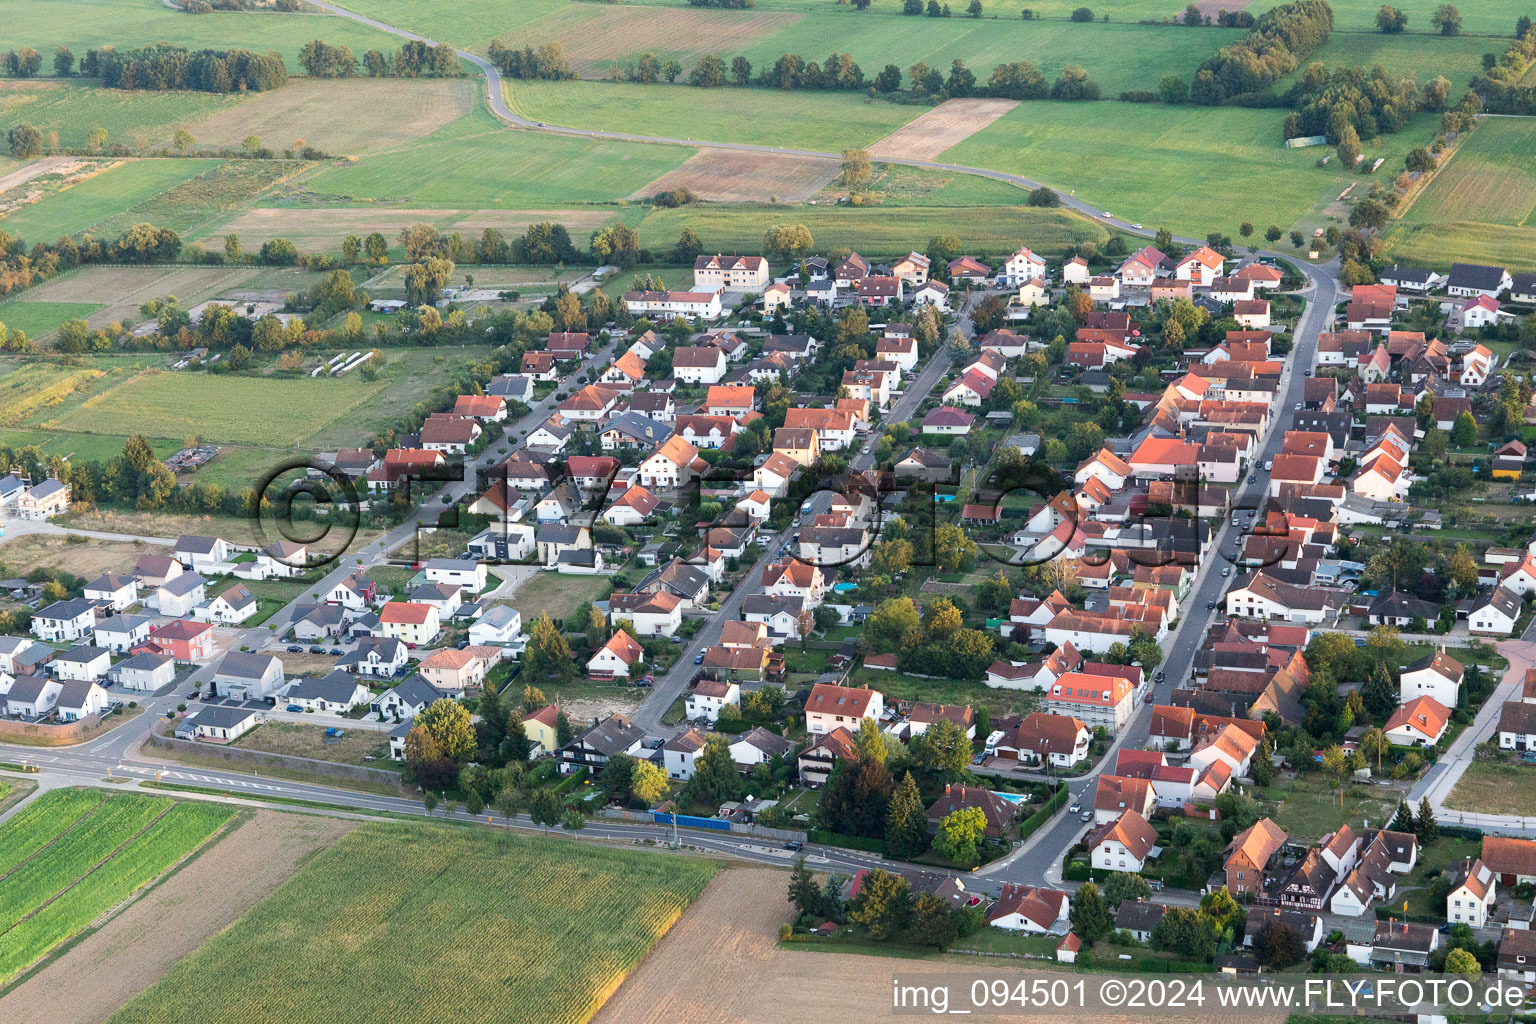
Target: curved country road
(498, 103)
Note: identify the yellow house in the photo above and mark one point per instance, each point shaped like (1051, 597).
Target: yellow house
(540, 727)
(409, 622)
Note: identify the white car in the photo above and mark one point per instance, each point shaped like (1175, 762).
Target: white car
(1108, 215)
(1136, 226)
(865, 450)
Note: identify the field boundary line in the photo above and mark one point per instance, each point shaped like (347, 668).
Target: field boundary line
(94, 868)
(72, 825)
(1414, 194)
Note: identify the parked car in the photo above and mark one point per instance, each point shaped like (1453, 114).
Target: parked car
(293, 707)
(295, 649)
(1226, 572)
(1086, 816)
(644, 684)
(698, 659)
(317, 650)
(794, 844)
(1209, 605)
(677, 639)
(336, 652)
(1076, 806)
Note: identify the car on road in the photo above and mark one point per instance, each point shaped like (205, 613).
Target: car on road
(295, 649)
(866, 450)
(1252, 479)
(1226, 572)
(1307, 372)
(317, 649)
(293, 707)
(1076, 806)
(1209, 605)
(336, 651)
(1085, 816)
(698, 659)
(1107, 215)
(795, 845)
(1234, 520)
(1160, 677)
(542, 124)
(1136, 226)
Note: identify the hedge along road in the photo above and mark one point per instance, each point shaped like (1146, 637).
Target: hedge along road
(499, 107)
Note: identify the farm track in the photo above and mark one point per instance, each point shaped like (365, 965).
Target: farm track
(119, 848)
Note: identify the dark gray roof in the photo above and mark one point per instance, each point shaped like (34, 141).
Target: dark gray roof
(75, 692)
(244, 665)
(183, 585)
(415, 691)
(220, 716)
(67, 610)
(145, 661)
(195, 544)
(1476, 275)
(768, 604)
(554, 533)
(613, 735)
(337, 686)
(80, 654)
(27, 688)
(641, 428)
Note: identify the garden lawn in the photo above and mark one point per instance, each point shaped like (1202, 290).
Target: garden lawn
(900, 686)
(1193, 169)
(90, 24)
(252, 410)
(38, 318)
(83, 205)
(575, 917)
(1481, 206)
(876, 230)
(558, 594)
(65, 870)
(1309, 806)
(798, 120)
(469, 164)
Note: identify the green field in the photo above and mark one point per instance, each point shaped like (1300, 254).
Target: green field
(197, 201)
(470, 24)
(73, 854)
(1484, 16)
(878, 231)
(395, 918)
(896, 186)
(44, 25)
(796, 120)
(79, 447)
(131, 117)
(250, 410)
(1481, 204)
(1192, 169)
(1420, 57)
(28, 388)
(38, 318)
(83, 205)
(478, 162)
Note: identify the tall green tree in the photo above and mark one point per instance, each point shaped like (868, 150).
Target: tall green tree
(883, 906)
(1090, 917)
(1424, 825)
(804, 893)
(906, 828)
(933, 924)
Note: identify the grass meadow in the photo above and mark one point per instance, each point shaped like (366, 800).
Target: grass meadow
(74, 854)
(1481, 205)
(85, 204)
(394, 918)
(73, 109)
(81, 25)
(875, 230)
(38, 318)
(477, 162)
(224, 408)
(794, 120)
(1193, 169)
(1420, 57)
(29, 388)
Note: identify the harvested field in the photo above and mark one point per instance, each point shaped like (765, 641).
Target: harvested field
(944, 126)
(124, 289)
(323, 230)
(132, 950)
(342, 118)
(727, 176)
(37, 168)
(594, 36)
(90, 559)
(716, 965)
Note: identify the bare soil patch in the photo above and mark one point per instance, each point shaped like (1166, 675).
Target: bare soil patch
(721, 965)
(100, 973)
(727, 176)
(946, 125)
(364, 116)
(597, 38)
(322, 230)
(83, 557)
(310, 741)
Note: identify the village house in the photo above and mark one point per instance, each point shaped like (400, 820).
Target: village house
(831, 706)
